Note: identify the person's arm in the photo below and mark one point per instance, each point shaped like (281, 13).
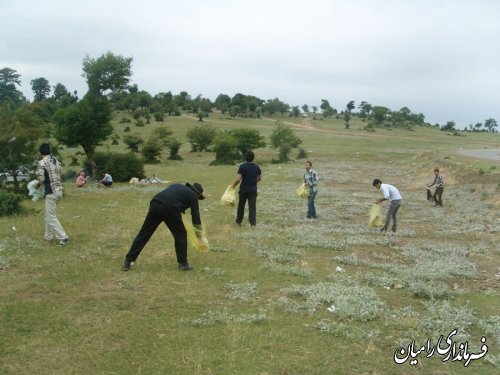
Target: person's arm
(40, 172)
(238, 180)
(435, 180)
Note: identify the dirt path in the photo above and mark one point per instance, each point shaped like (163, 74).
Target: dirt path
(492, 154)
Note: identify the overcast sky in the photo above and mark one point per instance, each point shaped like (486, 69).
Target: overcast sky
(440, 57)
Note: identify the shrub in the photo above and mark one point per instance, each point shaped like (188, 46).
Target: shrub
(151, 150)
(122, 167)
(174, 145)
(302, 153)
(201, 137)
(10, 203)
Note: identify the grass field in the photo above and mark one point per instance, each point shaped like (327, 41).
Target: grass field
(258, 302)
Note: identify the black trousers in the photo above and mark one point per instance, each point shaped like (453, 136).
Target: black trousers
(438, 193)
(252, 207)
(157, 214)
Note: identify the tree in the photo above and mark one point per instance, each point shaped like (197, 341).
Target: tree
(9, 94)
(295, 112)
(41, 89)
(201, 137)
(108, 72)
(350, 106)
(133, 142)
(283, 134)
(450, 126)
(365, 109)
(284, 139)
(85, 123)
(305, 108)
(231, 145)
(347, 118)
(490, 124)
(326, 108)
(379, 114)
(152, 150)
(222, 103)
(163, 134)
(19, 133)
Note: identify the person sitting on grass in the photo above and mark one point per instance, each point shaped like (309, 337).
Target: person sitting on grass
(107, 180)
(81, 179)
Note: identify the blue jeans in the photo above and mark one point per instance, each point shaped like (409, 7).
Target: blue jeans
(311, 209)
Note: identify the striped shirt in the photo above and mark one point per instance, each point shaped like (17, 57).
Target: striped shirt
(438, 181)
(311, 178)
(49, 173)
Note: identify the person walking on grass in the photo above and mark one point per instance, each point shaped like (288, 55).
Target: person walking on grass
(391, 194)
(249, 174)
(168, 206)
(49, 174)
(438, 193)
(311, 182)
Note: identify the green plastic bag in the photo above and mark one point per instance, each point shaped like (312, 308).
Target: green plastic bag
(375, 216)
(303, 191)
(229, 197)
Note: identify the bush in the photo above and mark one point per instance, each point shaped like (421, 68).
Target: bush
(201, 137)
(152, 150)
(122, 167)
(10, 203)
(174, 145)
(302, 153)
(226, 151)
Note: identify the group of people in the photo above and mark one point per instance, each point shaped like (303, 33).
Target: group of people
(81, 180)
(168, 205)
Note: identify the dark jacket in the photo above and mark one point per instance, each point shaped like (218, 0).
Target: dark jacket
(179, 198)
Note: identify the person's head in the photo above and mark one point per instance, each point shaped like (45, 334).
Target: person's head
(82, 173)
(436, 171)
(249, 156)
(198, 189)
(308, 165)
(45, 149)
(377, 183)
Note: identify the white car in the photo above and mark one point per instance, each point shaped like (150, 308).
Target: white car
(23, 174)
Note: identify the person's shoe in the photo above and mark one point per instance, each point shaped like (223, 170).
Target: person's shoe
(184, 267)
(237, 224)
(127, 264)
(64, 241)
(383, 230)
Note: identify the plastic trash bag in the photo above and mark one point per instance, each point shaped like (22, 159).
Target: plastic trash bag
(33, 191)
(376, 216)
(303, 191)
(229, 197)
(197, 239)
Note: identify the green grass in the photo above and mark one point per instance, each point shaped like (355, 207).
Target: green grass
(257, 303)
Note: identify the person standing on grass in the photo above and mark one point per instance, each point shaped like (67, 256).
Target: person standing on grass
(249, 174)
(49, 174)
(438, 193)
(168, 206)
(311, 181)
(391, 194)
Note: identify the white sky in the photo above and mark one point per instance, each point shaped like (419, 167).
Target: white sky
(436, 57)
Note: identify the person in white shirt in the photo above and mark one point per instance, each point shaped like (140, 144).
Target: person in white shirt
(390, 194)
(107, 180)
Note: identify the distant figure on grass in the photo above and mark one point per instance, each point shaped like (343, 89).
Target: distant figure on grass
(391, 194)
(107, 180)
(49, 174)
(438, 193)
(81, 179)
(311, 181)
(249, 174)
(167, 206)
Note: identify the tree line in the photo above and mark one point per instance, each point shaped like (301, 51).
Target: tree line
(86, 122)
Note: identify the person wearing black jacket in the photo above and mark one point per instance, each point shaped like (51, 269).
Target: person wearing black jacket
(167, 206)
